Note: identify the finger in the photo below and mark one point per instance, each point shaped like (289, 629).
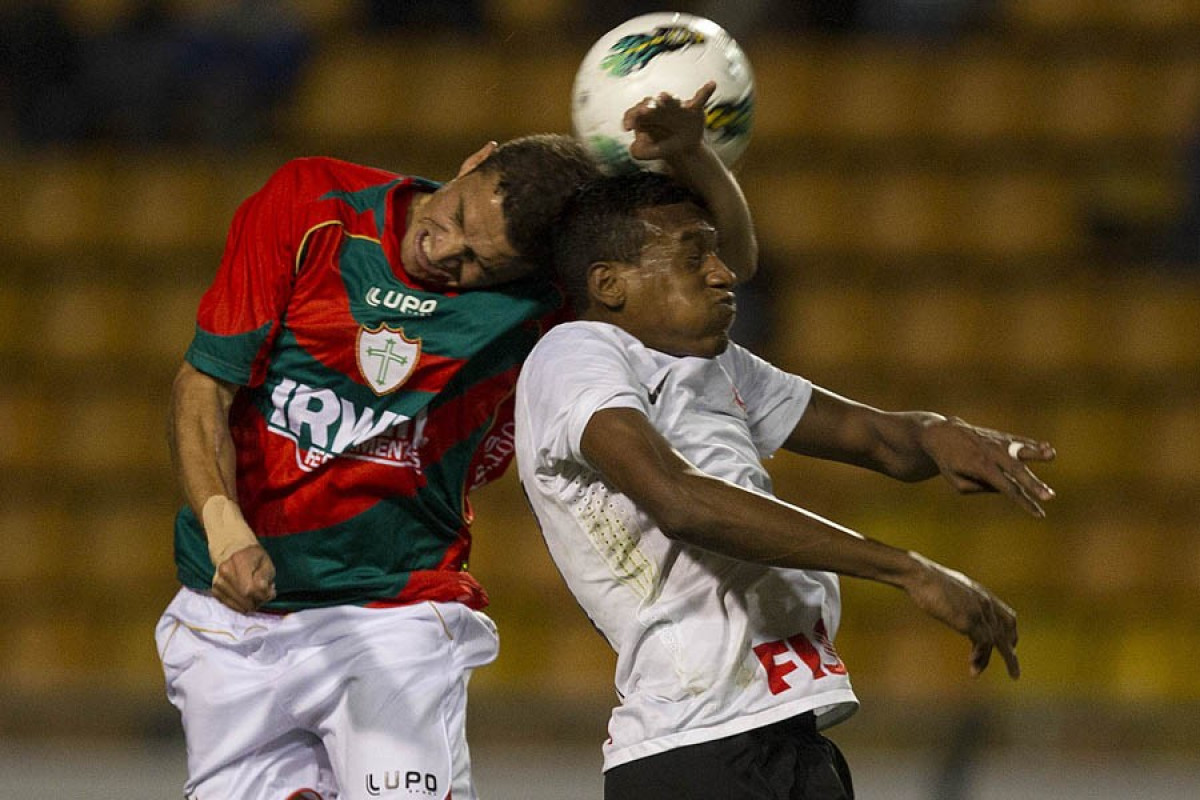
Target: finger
(227, 597)
(981, 654)
(995, 477)
(967, 485)
(1003, 624)
(263, 579)
(1022, 450)
(1008, 653)
(666, 100)
(1031, 484)
(256, 599)
(635, 112)
(1022, 496)
(266, 584)
(264, 591)
(1031, 450)
(702, 95)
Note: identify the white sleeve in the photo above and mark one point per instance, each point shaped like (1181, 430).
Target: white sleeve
(775, 400)
(571, 374)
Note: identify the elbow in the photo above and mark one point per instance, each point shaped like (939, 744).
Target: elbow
(684, 516)
(675, 525)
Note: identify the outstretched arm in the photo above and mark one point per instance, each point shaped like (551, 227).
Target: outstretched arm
(706, 512)
(202, 450)
(671, 130)
(917, 445)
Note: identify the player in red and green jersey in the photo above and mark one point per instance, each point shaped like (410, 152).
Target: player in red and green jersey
(349, 382)
(373, 401)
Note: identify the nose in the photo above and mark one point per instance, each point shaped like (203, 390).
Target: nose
(446, 250)
(719, 275)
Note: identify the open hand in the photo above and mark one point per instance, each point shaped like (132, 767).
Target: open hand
(664, 126)
(975, 459)
(970, 609)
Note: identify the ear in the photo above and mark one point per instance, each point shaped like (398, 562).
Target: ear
(476, 158)
(606, 285)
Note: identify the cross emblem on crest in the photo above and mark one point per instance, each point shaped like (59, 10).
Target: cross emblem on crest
(386, 357)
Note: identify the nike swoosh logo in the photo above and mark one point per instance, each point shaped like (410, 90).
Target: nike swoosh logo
(657, 390)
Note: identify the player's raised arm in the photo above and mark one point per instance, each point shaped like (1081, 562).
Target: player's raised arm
(719, 516)
(668, 129)
(917, 445)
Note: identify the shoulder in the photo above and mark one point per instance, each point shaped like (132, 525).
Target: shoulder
(580, 354)
(578, 340)
(739, 361)
(321, 174)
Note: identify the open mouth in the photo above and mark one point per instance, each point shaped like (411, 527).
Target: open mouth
(429, 272)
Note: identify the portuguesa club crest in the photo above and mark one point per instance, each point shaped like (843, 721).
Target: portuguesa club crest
(386, 357)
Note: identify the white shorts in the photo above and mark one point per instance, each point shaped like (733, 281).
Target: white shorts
(327, 703)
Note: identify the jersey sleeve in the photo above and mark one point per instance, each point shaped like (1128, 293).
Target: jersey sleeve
(572, 374)
(240, 313)
(775, 400)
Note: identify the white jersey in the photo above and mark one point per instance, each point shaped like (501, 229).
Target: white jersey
(707, 646)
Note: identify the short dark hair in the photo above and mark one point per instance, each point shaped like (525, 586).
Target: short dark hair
(600, 224)
(538, 174)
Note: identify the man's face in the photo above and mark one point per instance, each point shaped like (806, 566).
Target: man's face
(456, 238)
(679, 300)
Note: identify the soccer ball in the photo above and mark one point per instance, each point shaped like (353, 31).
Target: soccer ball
(661, 52)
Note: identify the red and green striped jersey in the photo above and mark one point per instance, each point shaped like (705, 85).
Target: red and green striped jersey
(368, 407)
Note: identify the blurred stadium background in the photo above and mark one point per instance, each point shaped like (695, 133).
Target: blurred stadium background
(983, 207)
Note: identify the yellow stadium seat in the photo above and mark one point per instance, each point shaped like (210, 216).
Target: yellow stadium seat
(27, 422)
(797, 211)
(937, 329)
(13, 299)
(1059, 16)
(1093, 437)
(1018, 213)
(65, 202)
(830, 326)
(1048, 328)
(35, 534)
(166, 322)
(1154, 325)
(1175, 433)
(85, 321)
(129, 545)
(871, 92)
(47, 652)
(983, 93)
(168, 203)
(906, 213)
(114, 430)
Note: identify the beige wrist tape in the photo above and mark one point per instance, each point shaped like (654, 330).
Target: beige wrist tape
(226, 528)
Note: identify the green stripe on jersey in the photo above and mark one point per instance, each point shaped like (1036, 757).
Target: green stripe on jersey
(237, 353)
(366, 558)
(374, 198)
(452, 326)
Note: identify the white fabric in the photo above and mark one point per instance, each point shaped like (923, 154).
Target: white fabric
(348, 702)
(684, 622)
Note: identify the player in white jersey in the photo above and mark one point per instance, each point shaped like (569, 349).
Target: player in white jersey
(640, 438)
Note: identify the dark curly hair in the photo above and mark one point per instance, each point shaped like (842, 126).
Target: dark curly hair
(538, 174)
(600, 223)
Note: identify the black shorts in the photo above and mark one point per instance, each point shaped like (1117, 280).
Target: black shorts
(785, 761)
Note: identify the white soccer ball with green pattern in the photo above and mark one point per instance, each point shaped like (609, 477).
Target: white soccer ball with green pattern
(661, 52)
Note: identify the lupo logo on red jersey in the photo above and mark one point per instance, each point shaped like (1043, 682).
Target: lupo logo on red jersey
(325, 426)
